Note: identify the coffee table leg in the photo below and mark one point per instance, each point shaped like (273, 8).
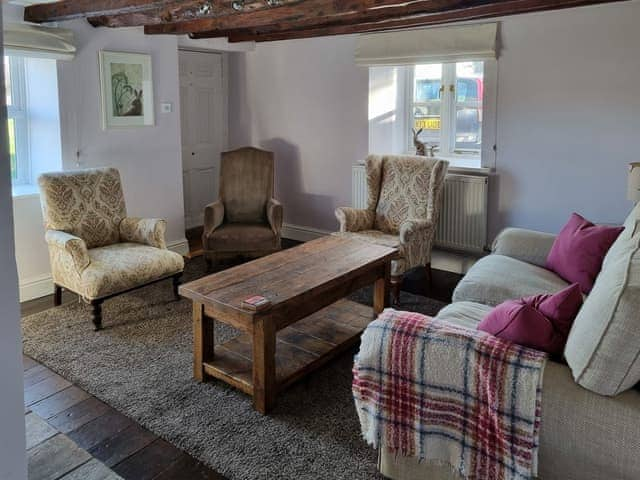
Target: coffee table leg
(381, 291)
(264, 366)
(203, 340)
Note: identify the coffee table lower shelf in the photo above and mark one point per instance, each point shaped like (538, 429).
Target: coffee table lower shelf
(300, 348)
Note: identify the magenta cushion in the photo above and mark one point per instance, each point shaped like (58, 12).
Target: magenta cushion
(579, 249)
(541, 322)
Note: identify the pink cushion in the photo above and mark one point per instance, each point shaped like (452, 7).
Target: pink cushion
(579, 250)
(541, 322)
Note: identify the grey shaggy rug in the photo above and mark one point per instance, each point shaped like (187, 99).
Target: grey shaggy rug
(141, 365)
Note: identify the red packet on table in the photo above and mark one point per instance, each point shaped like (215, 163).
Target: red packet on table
(256, 303)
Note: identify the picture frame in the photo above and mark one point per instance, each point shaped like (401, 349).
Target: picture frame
(126, 86)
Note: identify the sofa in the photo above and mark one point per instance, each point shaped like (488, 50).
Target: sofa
(590, 420)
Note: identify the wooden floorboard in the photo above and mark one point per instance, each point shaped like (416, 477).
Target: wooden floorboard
(59, 402)
(121, 446)
(149, 462)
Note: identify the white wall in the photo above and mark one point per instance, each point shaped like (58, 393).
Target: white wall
(567, 120)
(13, 465)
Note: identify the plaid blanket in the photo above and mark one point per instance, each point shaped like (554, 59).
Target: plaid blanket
(449, 395)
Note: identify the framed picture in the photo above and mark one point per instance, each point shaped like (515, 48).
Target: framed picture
(126, 89)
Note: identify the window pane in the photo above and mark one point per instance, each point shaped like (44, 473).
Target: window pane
(12, 148)
(427, 105)
(469, 91)
(7, 80)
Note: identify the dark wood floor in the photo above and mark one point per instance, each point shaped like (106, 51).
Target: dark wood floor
(72, 435)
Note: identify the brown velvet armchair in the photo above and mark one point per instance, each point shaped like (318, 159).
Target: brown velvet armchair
(246, 220)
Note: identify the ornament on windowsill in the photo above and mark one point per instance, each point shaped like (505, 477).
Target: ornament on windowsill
(423, 147)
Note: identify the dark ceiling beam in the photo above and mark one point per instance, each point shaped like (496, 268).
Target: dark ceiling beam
(310, 12)
(181, 11)
(496, 9)
(70, 9)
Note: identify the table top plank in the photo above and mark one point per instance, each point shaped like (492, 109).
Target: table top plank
(288, 274)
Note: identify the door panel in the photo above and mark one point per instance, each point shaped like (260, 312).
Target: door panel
(202, 107)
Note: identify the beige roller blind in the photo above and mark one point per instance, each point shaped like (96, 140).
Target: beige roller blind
(429, 45)
(36, 41)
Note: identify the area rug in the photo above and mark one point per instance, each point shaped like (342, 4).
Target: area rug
(141, 364)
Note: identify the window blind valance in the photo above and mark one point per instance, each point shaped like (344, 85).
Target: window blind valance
(431, 45)
(37, 41)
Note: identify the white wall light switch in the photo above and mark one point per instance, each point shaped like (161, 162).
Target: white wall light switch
(166, 107)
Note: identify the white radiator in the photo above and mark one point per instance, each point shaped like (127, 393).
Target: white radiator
(463, 218)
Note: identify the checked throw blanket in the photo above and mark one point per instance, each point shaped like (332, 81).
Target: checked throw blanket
(449, 395)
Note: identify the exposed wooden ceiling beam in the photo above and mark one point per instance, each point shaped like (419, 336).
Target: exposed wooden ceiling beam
(180, 11)
(495, 9)
(70, 9)
(313, 12)
(137, 11)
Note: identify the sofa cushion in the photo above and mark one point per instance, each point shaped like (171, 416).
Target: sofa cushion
(496, 278)
(466, 314)
(603, 349)
(579, 250)
(119, 267)
(541, 322)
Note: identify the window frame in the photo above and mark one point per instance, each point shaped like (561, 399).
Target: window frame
(18, 112)
(448, 113)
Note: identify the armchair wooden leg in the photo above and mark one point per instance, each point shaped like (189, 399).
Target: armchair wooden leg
(176, 283)
(429, 273)
(396, 282)
(57, 295)
(96, 315)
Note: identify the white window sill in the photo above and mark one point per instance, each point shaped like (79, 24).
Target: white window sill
(24, 191)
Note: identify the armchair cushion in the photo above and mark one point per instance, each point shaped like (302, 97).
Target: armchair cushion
(63, 244)
(119, 267)
(250, 237)
(87, 203)
(147, 231)
(354, 219)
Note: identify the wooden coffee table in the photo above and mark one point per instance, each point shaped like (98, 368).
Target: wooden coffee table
(308, 323)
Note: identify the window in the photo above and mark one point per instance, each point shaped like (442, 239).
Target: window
(446, 107)
(445, 102)
(33, 121)
(17, 119)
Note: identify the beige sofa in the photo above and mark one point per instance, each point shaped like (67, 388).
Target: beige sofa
(590, 426)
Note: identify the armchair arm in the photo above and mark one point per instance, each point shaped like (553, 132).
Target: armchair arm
(274, 215)
(213, 217)
(413, 230)
(526, 245)
(74, 246)
(354, 219)
(148, 231)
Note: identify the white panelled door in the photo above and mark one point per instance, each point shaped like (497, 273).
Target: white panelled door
(203, 130)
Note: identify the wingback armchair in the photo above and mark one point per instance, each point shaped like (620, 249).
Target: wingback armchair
(96, 251)
(403, 207)
(246, 220)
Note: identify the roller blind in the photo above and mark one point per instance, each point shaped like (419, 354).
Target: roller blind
(37, 41)
(431, 45)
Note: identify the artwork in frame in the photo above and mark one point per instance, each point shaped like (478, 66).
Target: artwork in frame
(127, 89)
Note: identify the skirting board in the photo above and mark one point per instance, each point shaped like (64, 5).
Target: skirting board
(42, 285)
(302, 234)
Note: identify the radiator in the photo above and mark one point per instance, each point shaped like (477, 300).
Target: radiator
(463, 218)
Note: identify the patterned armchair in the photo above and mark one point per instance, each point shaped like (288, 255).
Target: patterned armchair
(404, 200)
(246, 220)
(96, 251)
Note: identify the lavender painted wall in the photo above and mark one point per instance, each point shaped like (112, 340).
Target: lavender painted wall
(306, 101)
(567, 120)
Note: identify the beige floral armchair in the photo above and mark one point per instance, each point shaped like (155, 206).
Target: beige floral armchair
(96, 251)
(246, 220)
(403, 207)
